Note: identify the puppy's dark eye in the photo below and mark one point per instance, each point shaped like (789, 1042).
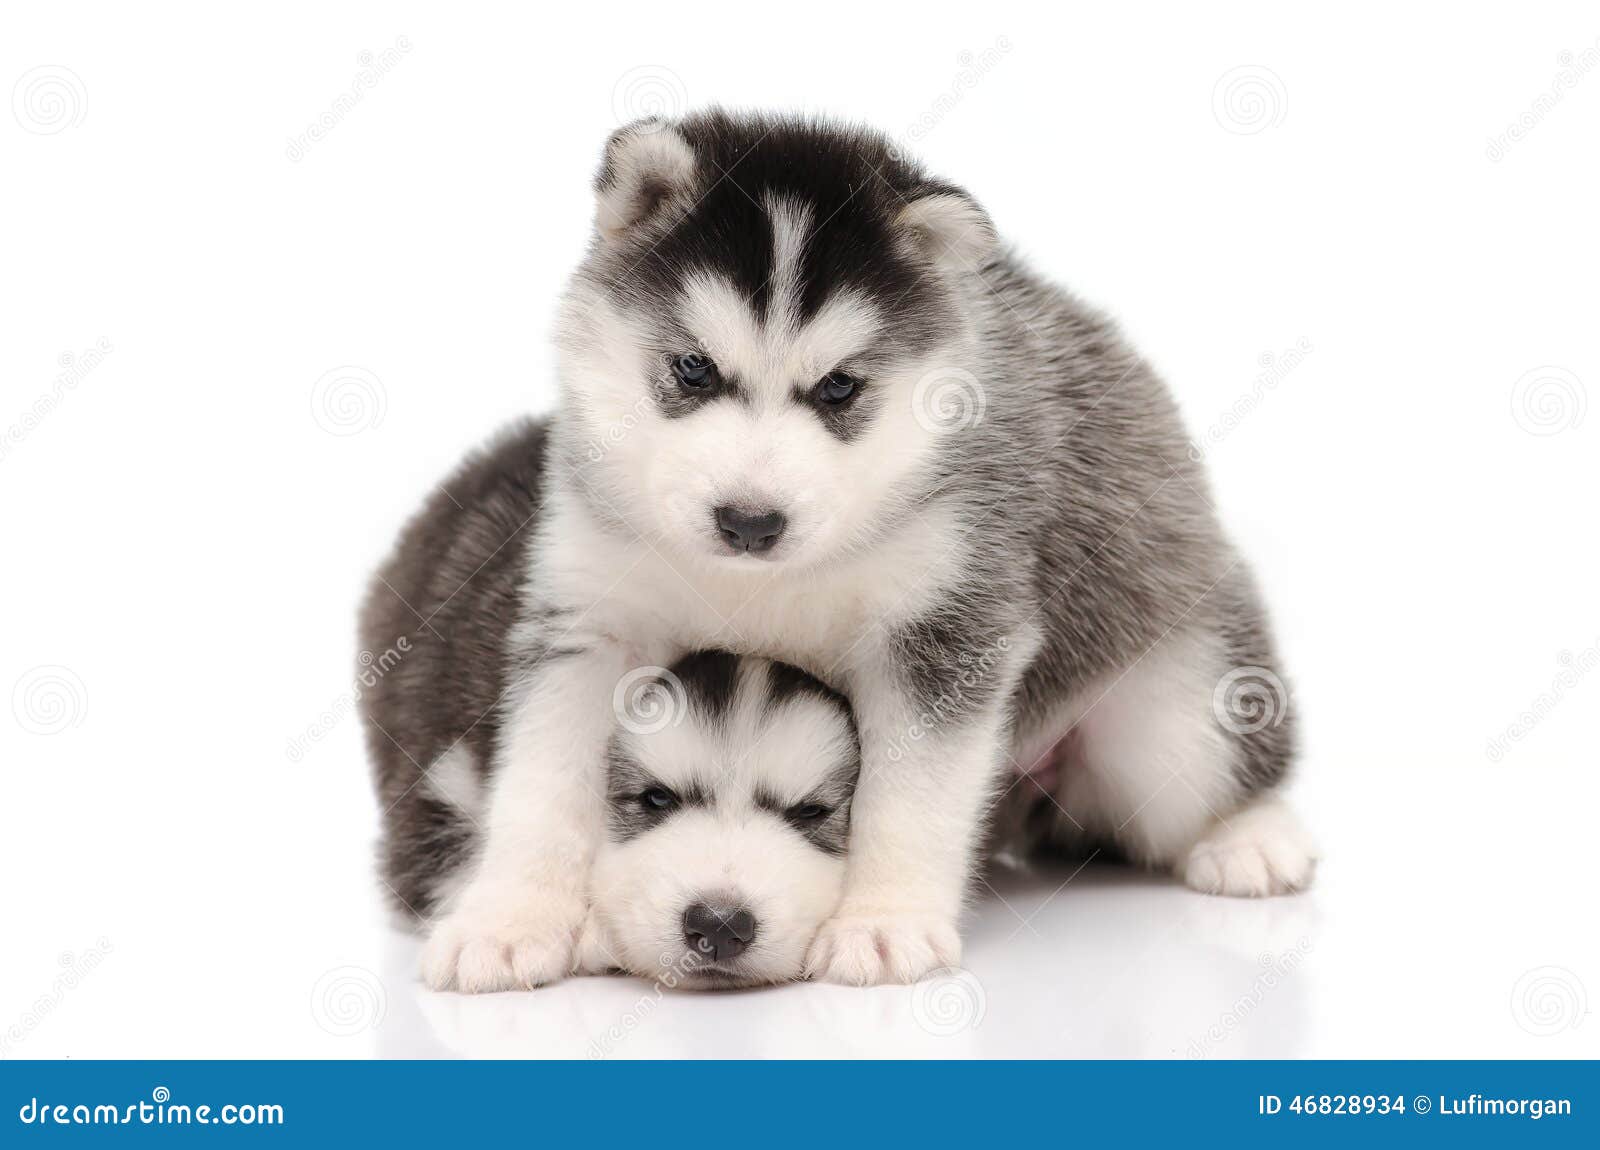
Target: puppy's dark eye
(808, 812)
(837, 387)
(658, 799)
(694, 371)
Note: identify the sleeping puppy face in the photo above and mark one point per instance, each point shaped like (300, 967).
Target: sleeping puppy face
(729, 814)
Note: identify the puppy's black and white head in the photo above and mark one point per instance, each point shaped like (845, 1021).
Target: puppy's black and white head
(729, 814)
(764, 307)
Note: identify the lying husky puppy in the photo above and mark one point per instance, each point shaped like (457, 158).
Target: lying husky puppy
(727, 780)
(812, 410)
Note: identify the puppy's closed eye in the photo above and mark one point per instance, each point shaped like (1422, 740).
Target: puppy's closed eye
(807, 813)
(658, 799)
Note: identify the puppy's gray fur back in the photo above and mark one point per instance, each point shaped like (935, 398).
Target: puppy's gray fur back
(450, 588)
(1086, 476)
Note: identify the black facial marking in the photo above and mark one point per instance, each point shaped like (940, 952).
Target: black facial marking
(846, 419)
(822, 815)
(822, 818)
(853, 186)
(710, 679)
(785, 681)
(636, 799)
(681, 388)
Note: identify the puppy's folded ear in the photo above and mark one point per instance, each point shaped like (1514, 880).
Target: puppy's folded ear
(648, 174)
(947, 226)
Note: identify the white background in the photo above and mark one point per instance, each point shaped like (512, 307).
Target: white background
(190, 519)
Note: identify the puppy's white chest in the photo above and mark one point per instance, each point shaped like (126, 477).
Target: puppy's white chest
(812, 623)
(642, 595)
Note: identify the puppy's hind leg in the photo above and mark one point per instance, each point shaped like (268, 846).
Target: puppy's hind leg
(1180, 781)
(1260, 849)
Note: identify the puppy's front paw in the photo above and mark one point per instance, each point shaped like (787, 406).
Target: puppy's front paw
(503, 943)
(863, 949)
(594, 954)
(1262, 850)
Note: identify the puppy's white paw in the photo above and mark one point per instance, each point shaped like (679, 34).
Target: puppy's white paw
(1262, 850)
(594, 954)
(503, 943)
(863, 949)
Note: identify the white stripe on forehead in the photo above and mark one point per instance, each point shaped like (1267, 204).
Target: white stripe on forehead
(791, 225)
(770, 360)
(788, 750)
(792, 748)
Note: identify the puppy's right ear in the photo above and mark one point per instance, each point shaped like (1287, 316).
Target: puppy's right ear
(648, 173)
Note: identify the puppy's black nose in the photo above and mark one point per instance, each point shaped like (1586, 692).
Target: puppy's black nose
(718, 932)
(752, 531)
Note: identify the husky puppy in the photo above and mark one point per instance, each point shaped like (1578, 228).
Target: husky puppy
(812, 410)
(726, 785)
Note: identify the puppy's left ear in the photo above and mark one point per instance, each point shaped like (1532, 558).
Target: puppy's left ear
(648, 174)
(948, 227)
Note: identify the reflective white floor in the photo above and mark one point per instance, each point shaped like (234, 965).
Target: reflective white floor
(1445, 923)
(1109, 964)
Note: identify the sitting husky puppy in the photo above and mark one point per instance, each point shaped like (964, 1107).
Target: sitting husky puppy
(812, 410)
(727, 781)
